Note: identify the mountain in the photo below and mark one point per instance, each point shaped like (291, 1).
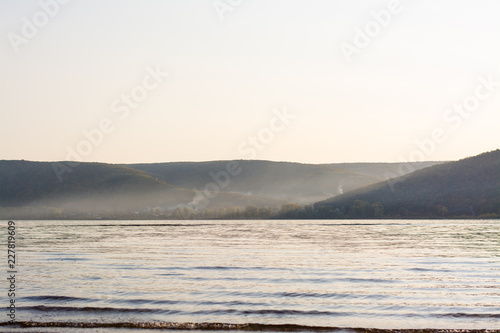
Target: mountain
(230, 189)
(469, 187)
(293, 182)
(100, 188)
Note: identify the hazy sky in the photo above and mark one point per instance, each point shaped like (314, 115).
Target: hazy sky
(311, 81)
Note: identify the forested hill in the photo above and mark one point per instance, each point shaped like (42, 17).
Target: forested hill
(293, 182)
(218, 189)
(96, 188)
(469, 187)
(23, 182)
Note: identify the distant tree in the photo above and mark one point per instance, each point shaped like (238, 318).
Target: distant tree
(360, 209)
(440, 210)
(183, 213)
(403, 212)
(290, 211)
(377, 209)
(251, 212)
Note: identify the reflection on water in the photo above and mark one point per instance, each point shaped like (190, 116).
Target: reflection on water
(384, 274)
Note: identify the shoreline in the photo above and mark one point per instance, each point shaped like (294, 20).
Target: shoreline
(251, 327)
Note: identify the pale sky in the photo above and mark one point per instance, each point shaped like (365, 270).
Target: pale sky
(68, 67)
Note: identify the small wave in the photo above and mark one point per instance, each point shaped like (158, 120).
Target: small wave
(468, 315)
(140, 225)
(56, 298)
(143, 301)
(272, 312)
(365, 280)
(68, 259)
(171, 302)
(44, 308)
(236, 327)
(331, 295)
(420, 269)
(222, 268)
(249, 268)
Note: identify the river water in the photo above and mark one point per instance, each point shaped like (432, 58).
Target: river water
(388, 274)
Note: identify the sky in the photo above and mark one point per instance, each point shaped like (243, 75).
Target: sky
(311, 81)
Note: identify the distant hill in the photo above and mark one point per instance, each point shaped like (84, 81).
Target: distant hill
(294, 182)
(98, 187)
(469, 187)
(180, 190)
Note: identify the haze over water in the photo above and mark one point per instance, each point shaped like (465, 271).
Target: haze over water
(349, 273)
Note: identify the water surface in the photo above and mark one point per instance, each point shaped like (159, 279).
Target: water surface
(348, 273)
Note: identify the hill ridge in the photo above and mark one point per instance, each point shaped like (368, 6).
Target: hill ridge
(468, 187)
